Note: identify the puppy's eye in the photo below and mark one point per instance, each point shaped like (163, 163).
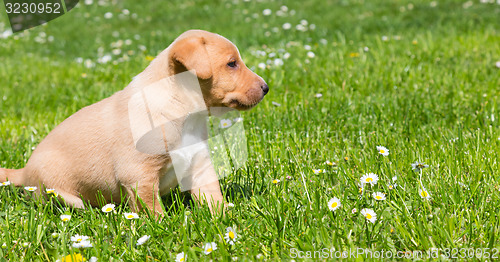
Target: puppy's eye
(232, 64)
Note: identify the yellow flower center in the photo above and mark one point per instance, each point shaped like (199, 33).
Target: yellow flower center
(382, 151)
(209, 249)
(346, 158)
(79, 239)
(368, 216)
(334, 204)
(369, 179)
(424, 194)
(275, 181)
(130, 216)
(378, 197)
(182, 259)
(108, 209)
(65, 219)
(231, 235)
(390, 187)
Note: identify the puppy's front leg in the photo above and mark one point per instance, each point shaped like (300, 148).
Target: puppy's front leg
(211, 194)
(204, 183)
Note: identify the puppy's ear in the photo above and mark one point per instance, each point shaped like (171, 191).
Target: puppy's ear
(191, 54)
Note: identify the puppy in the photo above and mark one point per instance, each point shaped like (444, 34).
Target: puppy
(94, 151)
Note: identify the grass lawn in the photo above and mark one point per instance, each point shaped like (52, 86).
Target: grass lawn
(417, 77)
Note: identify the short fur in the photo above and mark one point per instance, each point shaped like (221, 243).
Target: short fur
(93, 151)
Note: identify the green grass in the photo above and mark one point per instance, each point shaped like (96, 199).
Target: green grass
(429, 93)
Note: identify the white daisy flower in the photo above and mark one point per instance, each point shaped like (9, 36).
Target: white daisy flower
(287, 26)
(142, 240)
(379, 196)
(31, 188)
(369, 214)
(424, 193)
(108, 208)
(225, 123)
(276, 181)
(318, 95)
(181, 257)
(267, 12)
(262, 65)
(334, 204)
(108, 15)
(418, 166)
(310, 54)
(317, 171)
(65, 218)
(51, 191)
(209, 247)
(79, 238)
(6, 183)
(82, 244)
(230, 236)
(382, 150)
(369, 178)
(330, 163)
(238, 119)
(230, 205)
(130, 215)
(93, 259)
(497, 64)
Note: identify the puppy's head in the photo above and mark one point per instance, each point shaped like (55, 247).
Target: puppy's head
(224, 78)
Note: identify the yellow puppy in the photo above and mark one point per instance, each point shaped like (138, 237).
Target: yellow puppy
(93, 151)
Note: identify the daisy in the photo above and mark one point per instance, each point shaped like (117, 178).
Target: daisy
(230, 205)
(51, 191)
(130, 215)
(497, 64)
(379, 196)
(334, 204)
(393, 185)
(418, 166)
(225, 123)
(30, 188)
(65, 218)
(369, 214)
(317, 171)
(108, 208)
(238, 119)
(142, 240)
(354, 210)
(78, 238)
(6, 183)
(369, 178)
(276, 181)
(82, 244)
(330, 163)
(382, 150)
(287, 26)
(181, 257)
(209, 247)
(230, 236)
(267, 12)
(310, 54)
(424, 193)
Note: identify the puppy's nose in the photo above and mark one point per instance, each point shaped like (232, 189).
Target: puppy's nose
(265, 88)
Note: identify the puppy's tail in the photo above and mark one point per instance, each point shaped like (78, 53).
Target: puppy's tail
(15, 176)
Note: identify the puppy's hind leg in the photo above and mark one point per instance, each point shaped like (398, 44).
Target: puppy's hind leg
(70, 199)
(145, 194)
(15, 176)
